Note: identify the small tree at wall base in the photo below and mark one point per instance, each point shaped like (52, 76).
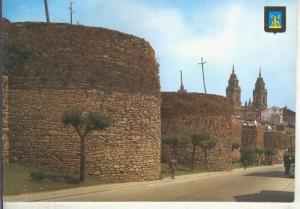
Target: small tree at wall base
(247, 156)
(259, 152)
(196, 140)
(84, 122)
(270, 153)
(206, 145)
(175, 141)
(235, 146)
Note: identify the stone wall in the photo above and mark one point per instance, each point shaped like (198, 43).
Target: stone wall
(278, 158)
(128, 150)
(64, 65)
(279, 141)
(236, 133)
(198, 112)
(291, 134)
(5, 115)
(247, 113)
(252, 137)
(289, 116)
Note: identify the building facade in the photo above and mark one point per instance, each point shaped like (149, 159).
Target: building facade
(273, 115)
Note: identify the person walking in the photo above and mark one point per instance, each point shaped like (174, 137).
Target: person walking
(173, 166)
(244, 162)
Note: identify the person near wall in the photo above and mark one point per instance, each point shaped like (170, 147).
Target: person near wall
(173, 166)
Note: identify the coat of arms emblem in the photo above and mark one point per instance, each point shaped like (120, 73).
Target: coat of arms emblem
(275, 19)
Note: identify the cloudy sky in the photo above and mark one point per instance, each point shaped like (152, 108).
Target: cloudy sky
(223, 32)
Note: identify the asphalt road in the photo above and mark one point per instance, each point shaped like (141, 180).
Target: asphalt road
(260, 184)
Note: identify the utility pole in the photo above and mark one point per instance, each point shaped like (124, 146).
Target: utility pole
(47, 11)
(71, 12)
(181, 89)
(202, 65)
(181, 83)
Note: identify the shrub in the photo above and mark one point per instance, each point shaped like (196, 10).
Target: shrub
(235, 146)
(176, 140)
(259, 152)
(37, 175)
(204, 141)
(270, 153)
(247, 156)
(16, 55)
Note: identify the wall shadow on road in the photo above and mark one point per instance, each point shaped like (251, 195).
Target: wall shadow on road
(266, 196)
(274, 174)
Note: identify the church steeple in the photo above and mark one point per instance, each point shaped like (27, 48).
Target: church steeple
(181, 90)
(260, 93)
(233, 90)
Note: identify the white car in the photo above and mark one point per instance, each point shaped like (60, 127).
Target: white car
(292, 171)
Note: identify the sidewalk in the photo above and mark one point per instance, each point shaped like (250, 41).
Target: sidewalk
(46, 196)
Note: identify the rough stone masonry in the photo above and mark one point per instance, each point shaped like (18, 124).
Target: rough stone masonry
(194, 112)
(5, 118)
(60, 65)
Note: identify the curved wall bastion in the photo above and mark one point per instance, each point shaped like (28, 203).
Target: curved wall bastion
(5, 118)
(192, 112)
(61, 65)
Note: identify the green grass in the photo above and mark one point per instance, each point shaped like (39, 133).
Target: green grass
(181, 170)
(17, 180)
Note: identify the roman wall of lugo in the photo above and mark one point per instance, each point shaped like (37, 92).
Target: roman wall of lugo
(236, 136)
(279, 141)
(194, 112)
(5, 118)
(52, 67)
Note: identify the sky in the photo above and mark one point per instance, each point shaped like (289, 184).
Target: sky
(223, 32)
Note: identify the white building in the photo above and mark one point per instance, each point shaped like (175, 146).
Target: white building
(273, 115)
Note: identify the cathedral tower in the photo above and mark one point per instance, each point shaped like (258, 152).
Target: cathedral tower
(233, 91)
(260, 93)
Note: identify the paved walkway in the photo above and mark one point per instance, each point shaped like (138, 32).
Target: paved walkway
(253, 184)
